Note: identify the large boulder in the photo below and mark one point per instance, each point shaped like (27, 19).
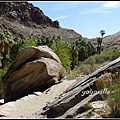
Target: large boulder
(35, 68)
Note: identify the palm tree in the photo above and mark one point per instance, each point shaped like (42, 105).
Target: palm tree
(99, 40)
(91, 49)
(38, 41)
(5, 43)
(15, 48)
(74, 54)
(2, 37)
(102, 32)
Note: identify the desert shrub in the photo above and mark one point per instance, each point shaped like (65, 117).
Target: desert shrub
(115, 53)
(28, 42)
(82, 69)
(88, 105)
(104, 56)
(104, 81)
(62, 52)
(18, 45)
(113, 99)
(15, 48)
(72, 75)
(94, 62)
(91, 61)
(87, 68)
(89, 115)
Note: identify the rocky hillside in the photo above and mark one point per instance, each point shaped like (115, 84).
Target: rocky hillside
(25, 20)
(25, 13)
(109, 42)
(112, 41)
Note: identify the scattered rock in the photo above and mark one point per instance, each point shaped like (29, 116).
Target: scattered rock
(38, 93)
(1, 101)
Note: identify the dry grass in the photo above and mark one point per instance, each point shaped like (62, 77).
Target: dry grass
(112, 82)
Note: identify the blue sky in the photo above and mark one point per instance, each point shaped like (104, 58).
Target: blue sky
(85, 17)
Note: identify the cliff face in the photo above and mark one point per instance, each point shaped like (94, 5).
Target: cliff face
(25, 20)
(25, 13)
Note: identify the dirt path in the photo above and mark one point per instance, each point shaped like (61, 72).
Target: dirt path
(28, 105)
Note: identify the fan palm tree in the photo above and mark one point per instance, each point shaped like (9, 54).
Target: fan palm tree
(38, 41)
(99, 40)
(102, 32)
(5, 43)
(15, 48)
(74, 54)
(2, 37)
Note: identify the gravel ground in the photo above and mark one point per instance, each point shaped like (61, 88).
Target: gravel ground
(28, 106)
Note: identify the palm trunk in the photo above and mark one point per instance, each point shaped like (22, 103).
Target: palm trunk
(3, 60)
(1, 47)
(6, 48)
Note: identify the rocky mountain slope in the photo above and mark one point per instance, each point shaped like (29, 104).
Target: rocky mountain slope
(25, 20)
(109, 42)
(112, 41)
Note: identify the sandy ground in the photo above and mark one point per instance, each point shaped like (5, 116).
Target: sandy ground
(27, 106)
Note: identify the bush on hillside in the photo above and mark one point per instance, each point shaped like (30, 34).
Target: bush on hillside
(105, 56)
(63, 53)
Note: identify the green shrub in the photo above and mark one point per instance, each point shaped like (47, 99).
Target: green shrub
(82, 69)
(28, 42)
(104, 56)
(113, 100)
(62, 52)
(89, 115)
(115, 53)
(15, 48)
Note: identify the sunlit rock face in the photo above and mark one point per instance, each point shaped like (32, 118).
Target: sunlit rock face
(35, 68)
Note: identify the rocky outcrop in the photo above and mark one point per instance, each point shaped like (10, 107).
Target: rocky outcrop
(26, 14)
(72, 102)
(35, 68)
